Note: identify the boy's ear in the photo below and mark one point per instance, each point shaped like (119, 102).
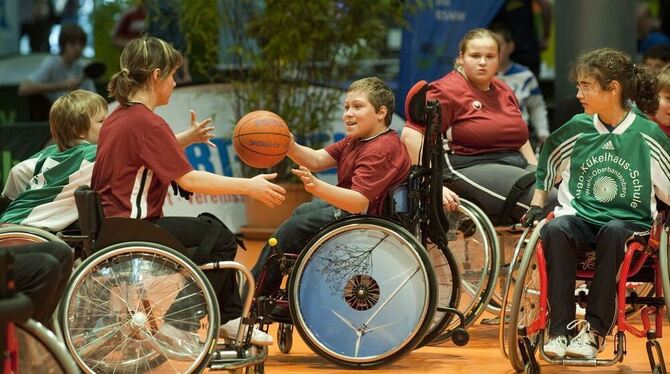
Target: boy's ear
(382, 112)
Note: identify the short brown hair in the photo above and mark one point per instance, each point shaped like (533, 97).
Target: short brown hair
(139, 58)
(664, 79)
(70, 116)
(378, 93)
(70, 34)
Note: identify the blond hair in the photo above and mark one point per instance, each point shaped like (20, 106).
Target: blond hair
(478, 33)
(138, 60)
(378, 93)
(70, 116)
(664, 79)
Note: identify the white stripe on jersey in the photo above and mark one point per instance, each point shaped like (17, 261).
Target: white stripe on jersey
(138, 196)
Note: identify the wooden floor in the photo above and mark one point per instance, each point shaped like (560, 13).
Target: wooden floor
(480, 355)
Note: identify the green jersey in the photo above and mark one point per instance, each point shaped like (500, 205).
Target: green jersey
(607, 175)
(42, 187)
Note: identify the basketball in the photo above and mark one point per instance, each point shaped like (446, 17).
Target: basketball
(261, 139)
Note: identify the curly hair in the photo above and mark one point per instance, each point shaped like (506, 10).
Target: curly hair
(606, 65)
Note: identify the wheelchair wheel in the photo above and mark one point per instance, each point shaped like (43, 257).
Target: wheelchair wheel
(525, 304)
(362, 292)
(448, 293)
(12, 235)
(285, 337)
(508, 288)
(664, 264)
(139, 307)
(473, 242)
(40, 351)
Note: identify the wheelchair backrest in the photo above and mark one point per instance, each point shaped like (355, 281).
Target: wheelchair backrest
(90, 211)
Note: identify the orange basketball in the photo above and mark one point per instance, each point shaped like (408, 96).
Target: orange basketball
(261, 139)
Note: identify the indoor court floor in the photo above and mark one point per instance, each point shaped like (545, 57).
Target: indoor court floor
(480, 355)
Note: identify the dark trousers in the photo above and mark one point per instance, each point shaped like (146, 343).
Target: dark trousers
(292, 236)
(41, 272)
(564, 238)
(207, 239)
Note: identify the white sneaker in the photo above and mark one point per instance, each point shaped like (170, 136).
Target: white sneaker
(230, 328)
(587, 344)
(555, 347)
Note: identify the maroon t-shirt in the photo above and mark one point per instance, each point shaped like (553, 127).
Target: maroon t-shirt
(474, 121)
(371, 167)
(138, 156)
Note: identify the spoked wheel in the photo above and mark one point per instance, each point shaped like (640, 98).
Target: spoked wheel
(12, 235)
(40, 352)
(664, 264)
(448, 292)
(285, 337)
(363, 292)
(508, 288)
(139, 307)
(525, 305)
(474, 245)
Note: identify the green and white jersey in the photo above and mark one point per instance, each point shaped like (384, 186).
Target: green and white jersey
(605, 175)
(42, 187)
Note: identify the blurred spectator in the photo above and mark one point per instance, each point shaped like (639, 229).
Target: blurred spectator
(163, 22)
(662, 115)
(655, 58)
(648, 29)
(130, 25)
(517, 17)
(60, 74)
(524, 84)
(37, 18)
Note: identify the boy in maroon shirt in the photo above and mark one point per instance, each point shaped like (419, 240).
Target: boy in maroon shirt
(370, 160)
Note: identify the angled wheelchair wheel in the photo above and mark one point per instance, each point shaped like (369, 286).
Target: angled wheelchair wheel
(448, 280)
(362, 292)
(139, 307)
(664, 264)
(474, 245)
(525, 303)
(40, 352)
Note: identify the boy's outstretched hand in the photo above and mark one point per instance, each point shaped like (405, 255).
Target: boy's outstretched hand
(308, 179)
(261, 189)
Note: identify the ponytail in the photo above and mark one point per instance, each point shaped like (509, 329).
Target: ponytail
(646, 93)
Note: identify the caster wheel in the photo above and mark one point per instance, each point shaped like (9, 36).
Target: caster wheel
(460, 337)
(285, 337)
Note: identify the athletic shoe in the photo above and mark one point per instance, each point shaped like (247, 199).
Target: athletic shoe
(555, 347)
(230, 328)
(587, 344)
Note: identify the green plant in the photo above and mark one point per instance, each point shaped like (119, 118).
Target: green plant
(292, 57)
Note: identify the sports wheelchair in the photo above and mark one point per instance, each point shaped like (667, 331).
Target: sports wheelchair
(365, 291)
(646, 260)
(26, 345)
(137, 304)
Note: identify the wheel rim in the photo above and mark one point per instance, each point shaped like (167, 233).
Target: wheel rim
(136, 308)
(366, 308)
(525, 299)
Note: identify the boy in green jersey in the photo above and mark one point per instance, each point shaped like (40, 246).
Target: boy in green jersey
(613, 163)
(42, 187)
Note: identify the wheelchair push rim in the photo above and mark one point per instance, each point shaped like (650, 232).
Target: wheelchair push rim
(139, 307)
(370, 309)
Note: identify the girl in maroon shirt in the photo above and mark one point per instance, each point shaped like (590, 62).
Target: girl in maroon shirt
(486, 148)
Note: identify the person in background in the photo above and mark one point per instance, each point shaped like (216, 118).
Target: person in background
(662, 115)
(656, 57)
(488, 156)
(130, 25)
(58, 75)
(524, 84)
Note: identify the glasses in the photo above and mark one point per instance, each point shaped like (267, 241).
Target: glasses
(586, 88)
